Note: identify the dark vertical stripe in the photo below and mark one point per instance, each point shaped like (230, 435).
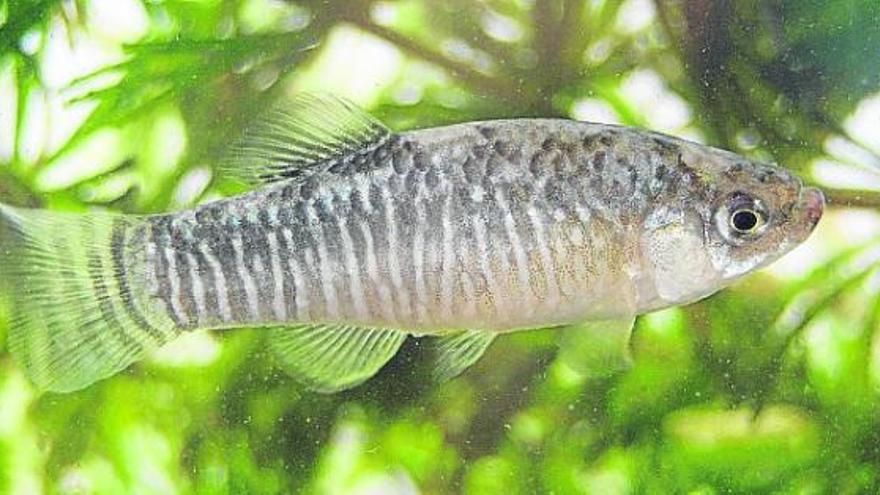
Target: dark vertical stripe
(180, 234)
(406, 223)
(285, 253)
(184, 283)
(96, 275)
(328, 212)
(221, 246)
(209, 285)
(180, 237)
(273, 225)
(117, 242)
(358, 218)
(380, 231)
(255, 246)
(311, 272)
(160, 236)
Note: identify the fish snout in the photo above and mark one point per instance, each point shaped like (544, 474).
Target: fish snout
(813, 203)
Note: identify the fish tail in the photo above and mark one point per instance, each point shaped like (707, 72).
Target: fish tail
(67, 280)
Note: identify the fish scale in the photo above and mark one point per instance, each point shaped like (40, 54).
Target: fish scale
(352, 237)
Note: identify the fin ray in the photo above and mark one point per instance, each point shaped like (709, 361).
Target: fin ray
(456, 352)
(292, 136)
(331, 358)
(71, 324)
(598, 348)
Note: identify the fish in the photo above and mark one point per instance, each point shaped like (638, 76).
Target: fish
(348, 238)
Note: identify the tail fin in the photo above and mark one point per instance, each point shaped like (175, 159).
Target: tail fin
(67, 279)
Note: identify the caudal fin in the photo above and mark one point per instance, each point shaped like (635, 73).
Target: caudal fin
(67, 279)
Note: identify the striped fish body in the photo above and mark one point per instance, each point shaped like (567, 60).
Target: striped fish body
(488, 226)
(353, 237)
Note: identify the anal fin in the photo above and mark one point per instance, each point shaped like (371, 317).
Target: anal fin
(456, 352)
(331, 358)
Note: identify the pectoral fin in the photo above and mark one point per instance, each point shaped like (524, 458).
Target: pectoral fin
(456, 352)
(331, 358)
(597, 348)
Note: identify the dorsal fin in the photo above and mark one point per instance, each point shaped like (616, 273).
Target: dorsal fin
(294, 134)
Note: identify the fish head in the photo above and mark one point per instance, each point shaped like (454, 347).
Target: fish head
(758, 213)
(736, 216)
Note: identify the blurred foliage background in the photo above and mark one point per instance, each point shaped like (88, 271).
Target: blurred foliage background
(770, 386)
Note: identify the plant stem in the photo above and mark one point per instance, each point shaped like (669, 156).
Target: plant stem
(851, 198)
(467, 74)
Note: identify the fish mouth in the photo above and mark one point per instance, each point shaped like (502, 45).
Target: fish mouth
(812, 201)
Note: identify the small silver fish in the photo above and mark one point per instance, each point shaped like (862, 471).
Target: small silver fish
(353, 237)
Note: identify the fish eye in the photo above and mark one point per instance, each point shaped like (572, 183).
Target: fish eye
(745, 220)
(741, 218)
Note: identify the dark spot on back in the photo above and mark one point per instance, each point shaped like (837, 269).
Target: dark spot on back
(308, 188)
(413, 178)
(480, 152)
(288, 192)
(300, 210)
(161, 223)
(356, 201)
(487, 131)
(422, 161)
(324, 209)
(734, 169)
(627, 165)
(599, 159)
(589, 141)
(399, 161)
(559, 165)
(665, 146)
(774, 175)
(432, 179)
(685, 168)
(489, 188)
(263, 217)
(555, 192)
(494, 165)
(515, 154)
(503, 148)
(382, 153)
(376, 196)
(471, 169)
(536, 165)
(205, 215)
(660, 172)
(338, 168)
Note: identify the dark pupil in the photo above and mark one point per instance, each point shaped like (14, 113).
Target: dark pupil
(744, 220)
